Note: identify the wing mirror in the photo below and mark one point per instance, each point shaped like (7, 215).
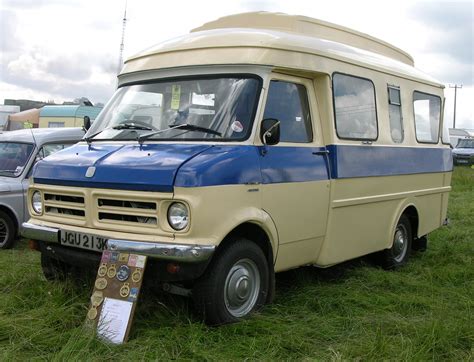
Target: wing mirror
(87, 123)
(270, 131)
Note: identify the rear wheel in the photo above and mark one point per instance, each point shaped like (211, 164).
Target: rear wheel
(7, 231)
(398, 254)
(235, 284)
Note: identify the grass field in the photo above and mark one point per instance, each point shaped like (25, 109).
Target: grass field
(352, 311)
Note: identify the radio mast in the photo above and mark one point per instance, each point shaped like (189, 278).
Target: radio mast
(124, 23)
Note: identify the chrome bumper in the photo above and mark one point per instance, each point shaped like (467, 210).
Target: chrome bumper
(161, 251)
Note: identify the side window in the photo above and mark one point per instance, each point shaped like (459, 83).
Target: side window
(354, 106)
(427, 111)
(395, 114)
(288, 102)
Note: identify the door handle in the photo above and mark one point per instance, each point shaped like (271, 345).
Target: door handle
(321, 153)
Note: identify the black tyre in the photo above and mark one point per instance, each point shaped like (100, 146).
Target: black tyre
(7, 231)
(399, 253)
(235, 284)
(54, 269)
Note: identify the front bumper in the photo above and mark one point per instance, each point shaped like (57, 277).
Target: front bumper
(161, 251)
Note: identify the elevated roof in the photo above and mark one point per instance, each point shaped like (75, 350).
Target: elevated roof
(275, 39)
(311, 27)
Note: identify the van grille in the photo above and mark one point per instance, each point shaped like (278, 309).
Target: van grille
(103, 210)
(127, 204)
(127, 218)
(64, 211)
(113, 210)
(64, 205)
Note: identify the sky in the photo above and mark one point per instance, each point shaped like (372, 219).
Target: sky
(65, 49)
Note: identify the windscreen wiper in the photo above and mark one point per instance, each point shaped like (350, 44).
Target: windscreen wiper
(121, 126)
(131, 125)
(185, 126)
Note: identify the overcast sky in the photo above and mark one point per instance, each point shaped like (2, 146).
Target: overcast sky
(64, 49)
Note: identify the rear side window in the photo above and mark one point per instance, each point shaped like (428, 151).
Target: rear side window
(427, 111)
(395, 114)
(354, 106)
(288, 103)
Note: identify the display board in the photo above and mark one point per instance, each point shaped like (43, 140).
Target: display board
(115, 294)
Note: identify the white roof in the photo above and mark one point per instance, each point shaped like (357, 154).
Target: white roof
(304, 25)
(266, 38)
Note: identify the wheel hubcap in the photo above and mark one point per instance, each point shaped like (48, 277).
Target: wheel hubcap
(242, 287)
(3, 232)
(400, 243)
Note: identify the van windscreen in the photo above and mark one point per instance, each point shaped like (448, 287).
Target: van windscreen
(212, 108)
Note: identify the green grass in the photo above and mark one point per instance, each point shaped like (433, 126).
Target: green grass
(352, 311)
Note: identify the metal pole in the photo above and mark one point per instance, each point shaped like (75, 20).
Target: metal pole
(455, 95)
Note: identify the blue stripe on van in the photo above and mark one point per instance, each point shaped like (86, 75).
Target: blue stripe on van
(161, 167)
(234, 165)
(369, 160)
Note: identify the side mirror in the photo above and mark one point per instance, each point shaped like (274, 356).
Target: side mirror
(87, 123)
(270, 131)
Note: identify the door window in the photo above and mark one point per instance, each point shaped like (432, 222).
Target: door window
(288, 103)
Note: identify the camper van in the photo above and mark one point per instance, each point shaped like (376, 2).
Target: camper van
(257, 143)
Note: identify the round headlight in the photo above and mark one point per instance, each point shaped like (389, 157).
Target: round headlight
(36, 202)
(178, 216)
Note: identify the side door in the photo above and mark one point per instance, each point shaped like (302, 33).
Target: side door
(295, 178)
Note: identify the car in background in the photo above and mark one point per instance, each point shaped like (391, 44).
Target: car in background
(463, 153)
(457, 134)
(19, 151)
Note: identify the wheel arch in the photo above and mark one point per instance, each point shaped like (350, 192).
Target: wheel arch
(253, 232)
(410, 210)
(265, 239)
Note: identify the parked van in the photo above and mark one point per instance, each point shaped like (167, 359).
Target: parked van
(255, 144)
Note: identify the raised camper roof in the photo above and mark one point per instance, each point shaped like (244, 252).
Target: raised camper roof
(310, 27)
(278, 40)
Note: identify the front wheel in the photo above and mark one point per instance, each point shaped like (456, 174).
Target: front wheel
(235, 284)
(398, 254)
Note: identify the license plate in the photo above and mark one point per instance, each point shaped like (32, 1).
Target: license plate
(83, 241)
